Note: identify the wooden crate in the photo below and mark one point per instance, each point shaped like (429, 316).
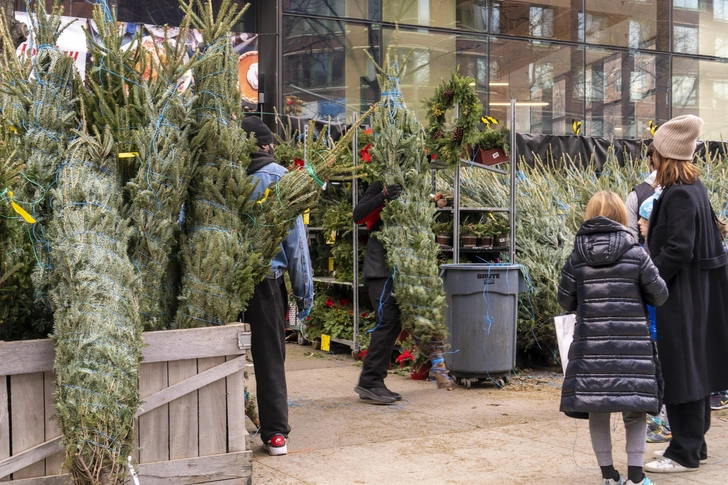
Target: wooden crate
(190, 428)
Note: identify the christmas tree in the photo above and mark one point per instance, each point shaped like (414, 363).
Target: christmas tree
(97, 328)
(399, 153)
(43, 112)
(218, 259)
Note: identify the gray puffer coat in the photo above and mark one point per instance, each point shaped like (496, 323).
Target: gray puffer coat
(607, 280)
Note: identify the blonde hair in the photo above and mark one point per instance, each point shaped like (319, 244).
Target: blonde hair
(607, 204)
(673, 172)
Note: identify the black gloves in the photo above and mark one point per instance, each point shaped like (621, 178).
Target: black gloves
(392, 192)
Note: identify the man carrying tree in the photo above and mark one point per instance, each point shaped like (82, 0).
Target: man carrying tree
(266, 311)
(377, 278)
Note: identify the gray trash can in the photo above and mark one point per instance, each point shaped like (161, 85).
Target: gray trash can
(481, 316)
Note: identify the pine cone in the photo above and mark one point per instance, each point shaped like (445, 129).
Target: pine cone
(447, 94)
(457, 134)
(437, 135)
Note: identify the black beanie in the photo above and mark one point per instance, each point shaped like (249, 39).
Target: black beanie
(255, 125)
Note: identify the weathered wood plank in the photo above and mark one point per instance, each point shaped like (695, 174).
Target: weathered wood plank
(183, 423)
(65, 480)
(154, 425)
(26, 409)
(236, 408)
(23, 459)
(31, 356)
(55, 480)
(196, 343)
(213, 415)
(4, 421)
(217, 469)
(26, 357)
(192, 384)
(54, 463)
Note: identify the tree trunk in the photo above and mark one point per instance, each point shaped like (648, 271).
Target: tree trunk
(18, 30)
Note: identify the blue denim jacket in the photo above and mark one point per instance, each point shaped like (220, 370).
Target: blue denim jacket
(294, 255)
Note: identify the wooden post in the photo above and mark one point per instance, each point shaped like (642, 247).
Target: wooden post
(52, 430)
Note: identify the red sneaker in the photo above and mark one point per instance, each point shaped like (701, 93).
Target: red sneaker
(276, 445)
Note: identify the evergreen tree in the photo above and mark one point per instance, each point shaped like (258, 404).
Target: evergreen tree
(97, 327)
(217, 258)
(48, 97)
(399, 151)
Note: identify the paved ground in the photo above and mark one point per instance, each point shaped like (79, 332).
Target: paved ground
(483, 435)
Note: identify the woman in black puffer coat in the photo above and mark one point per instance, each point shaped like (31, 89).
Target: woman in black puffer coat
(612, 367)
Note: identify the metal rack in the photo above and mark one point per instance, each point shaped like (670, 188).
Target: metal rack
(456, 209)
(354, 283)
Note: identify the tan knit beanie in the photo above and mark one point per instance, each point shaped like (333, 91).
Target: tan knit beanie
(678, 137)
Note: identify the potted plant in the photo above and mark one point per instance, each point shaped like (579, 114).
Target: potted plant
(468, 237)
(443, 233)
(491, 148)
(501, 231)
(485, 235)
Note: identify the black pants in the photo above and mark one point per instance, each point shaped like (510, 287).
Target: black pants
(266, 314)
(689, 422)
(384, 336)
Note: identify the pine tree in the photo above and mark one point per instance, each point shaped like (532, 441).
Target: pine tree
(97, 327)
(399, 151)
(45, 106)
(217, 258)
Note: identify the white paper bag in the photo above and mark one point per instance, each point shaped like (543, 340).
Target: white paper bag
(565, 334)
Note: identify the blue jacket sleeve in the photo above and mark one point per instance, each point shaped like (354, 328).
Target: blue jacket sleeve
(295, 247)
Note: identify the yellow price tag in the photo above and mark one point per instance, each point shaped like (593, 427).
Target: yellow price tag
(331, 264)
(265, 196)
(128, 154)
(306, 216)
(325, 342)
(331, 237)
(21, 212)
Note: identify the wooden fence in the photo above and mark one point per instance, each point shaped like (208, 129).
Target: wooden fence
(190, 428)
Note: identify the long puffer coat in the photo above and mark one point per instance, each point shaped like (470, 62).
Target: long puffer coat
(692, 327)
(607, 280)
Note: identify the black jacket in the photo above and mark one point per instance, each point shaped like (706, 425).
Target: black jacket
(692, 327)
(367, 211)
(607, 280)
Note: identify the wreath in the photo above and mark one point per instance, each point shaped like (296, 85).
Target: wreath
(449, 146)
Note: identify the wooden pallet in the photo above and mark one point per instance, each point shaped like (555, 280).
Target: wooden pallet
(190, 428)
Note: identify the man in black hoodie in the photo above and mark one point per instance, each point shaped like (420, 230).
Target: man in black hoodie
(266, 311)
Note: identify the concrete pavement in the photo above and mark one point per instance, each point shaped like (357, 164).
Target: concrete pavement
(483, 435)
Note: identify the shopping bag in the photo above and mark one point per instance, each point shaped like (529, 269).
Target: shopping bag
(564, 334)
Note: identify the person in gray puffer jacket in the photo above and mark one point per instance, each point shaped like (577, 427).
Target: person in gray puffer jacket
(608, 280)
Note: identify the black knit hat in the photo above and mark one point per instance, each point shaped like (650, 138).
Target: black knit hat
(255, 126)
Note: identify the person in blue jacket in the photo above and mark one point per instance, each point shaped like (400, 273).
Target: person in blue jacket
(266, 310)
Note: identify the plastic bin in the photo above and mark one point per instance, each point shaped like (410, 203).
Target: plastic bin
(481, 316)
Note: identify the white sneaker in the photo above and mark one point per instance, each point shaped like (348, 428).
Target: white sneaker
(662, 452)
(609, 481)
(666, 465)
(277, 445)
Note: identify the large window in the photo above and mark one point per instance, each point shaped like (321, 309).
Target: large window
(545, 79)
(614, 65)
(624, 92)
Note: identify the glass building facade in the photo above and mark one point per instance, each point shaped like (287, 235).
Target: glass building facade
(615, 65)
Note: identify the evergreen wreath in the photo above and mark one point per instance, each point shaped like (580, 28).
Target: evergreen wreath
(449, 146)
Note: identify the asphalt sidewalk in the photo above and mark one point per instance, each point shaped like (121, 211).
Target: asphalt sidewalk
(484, 435)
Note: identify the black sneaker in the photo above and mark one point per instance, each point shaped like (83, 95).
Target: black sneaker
(375, 395)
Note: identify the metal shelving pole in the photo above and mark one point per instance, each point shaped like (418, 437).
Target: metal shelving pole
(355, 235)
(456, 209)
(514, 163)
